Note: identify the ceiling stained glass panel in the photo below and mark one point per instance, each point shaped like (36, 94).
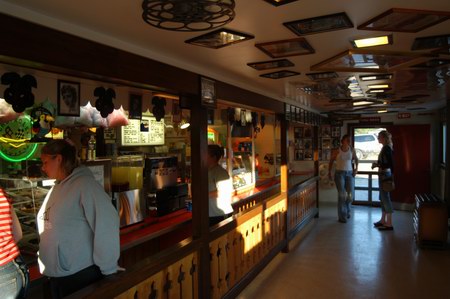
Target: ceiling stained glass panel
(376, 61)
(405, 20)
(288, 47)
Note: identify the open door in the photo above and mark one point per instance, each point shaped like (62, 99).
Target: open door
(412, 171)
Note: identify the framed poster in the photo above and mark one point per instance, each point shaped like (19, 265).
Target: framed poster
(208, 92)
(135, 106)
(68, 98)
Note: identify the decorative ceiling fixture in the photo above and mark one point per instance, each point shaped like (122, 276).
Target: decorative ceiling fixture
(186, 15)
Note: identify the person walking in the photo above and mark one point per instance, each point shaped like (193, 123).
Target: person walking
(385, 166)
(344, 176)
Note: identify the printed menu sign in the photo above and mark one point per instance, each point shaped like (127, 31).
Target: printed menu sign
(145, 131)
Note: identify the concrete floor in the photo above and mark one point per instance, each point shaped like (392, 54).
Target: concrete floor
(355, 260)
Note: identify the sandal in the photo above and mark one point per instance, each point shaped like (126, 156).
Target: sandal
(378, 224)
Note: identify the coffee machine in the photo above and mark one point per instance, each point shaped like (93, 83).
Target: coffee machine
(164, 195)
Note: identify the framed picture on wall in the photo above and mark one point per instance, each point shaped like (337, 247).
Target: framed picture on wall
(68, 98)
(326, 143)
(135, 106)
(208, 92)
(308, 155)
(298, 155)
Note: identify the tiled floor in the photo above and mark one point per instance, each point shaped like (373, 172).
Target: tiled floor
(355, 260)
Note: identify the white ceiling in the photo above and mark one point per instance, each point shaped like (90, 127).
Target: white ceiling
(119, 23)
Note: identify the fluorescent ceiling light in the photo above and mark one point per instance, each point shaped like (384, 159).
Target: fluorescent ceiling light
(376, 77)
(372, 41)
(379, 86)
(361, 103)
(382, 111)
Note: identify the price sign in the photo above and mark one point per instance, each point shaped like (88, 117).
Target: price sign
(145, 131)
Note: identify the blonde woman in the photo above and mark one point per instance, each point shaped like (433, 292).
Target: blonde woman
(385, 166)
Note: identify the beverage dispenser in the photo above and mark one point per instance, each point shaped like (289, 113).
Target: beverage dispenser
(164, 194)
(127, 183)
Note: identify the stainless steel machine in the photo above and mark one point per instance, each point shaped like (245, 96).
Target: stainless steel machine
(164, 195)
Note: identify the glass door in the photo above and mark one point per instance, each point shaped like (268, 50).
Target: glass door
(365, 142)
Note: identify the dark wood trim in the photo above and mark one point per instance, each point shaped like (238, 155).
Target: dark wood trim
(258, 197)
(230, 93)
(248, 278)
(447, 158)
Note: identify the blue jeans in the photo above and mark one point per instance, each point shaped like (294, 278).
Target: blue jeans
(345, 184)
(385, 197)
(11, 280)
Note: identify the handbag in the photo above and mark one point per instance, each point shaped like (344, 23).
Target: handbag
(388, 184)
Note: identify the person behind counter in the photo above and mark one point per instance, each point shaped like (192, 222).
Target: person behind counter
(220, 187)
(13, 271)
(77, 224)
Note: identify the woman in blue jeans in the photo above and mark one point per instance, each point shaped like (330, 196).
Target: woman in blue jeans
(385, 166)
(344, 176)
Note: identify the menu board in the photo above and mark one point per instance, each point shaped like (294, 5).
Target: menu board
(145, 131)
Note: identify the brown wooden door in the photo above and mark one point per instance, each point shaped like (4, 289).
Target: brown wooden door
(412, 171)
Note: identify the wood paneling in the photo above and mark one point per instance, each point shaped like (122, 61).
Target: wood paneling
(31, 45)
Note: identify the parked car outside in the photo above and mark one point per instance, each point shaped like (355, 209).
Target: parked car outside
(366, 144)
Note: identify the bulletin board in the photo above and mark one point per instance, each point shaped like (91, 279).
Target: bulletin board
(144, 131)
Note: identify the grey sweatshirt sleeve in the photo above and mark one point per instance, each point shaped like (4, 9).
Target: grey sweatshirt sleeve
(104, 222)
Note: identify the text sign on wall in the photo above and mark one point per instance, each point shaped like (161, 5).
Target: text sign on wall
(403, 115)
(145, 131)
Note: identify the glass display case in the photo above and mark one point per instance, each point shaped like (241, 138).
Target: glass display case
(27, 195)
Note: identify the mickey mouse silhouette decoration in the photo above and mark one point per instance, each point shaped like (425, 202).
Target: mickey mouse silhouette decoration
(19, 94)
(104, 103)
(158, 107)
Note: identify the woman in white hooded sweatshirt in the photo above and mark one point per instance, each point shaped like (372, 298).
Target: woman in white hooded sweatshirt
(78, 225)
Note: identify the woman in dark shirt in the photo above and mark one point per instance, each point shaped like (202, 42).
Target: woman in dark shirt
(385, 166)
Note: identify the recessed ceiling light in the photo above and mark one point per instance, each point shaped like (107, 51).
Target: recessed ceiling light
(372, 41)
(376, 77)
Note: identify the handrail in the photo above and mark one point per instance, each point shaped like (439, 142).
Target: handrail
(302, 185)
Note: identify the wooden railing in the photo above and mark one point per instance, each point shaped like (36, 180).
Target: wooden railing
(302, 204)
(239, 248)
